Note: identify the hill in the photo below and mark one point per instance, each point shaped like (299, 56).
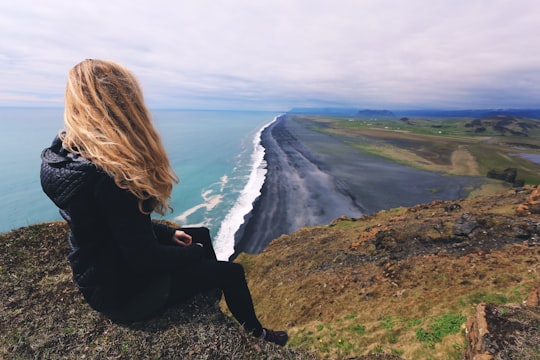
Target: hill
(403, 282)
(396, 284)
(43, 316)
(425, 113)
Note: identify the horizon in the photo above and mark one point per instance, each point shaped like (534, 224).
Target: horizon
(244, 55)
(298, 109)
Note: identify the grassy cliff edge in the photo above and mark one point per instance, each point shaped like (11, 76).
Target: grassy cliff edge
(43, 316)
(397, 284)
(401, 282)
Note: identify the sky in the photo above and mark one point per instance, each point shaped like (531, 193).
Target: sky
(280, 54)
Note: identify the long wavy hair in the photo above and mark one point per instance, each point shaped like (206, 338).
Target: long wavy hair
(106, 121)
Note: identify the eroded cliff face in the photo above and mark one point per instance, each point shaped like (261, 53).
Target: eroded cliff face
(505, 331)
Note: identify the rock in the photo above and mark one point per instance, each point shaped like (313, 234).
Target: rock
(452, 207)
(522, 210)
(505, 331)
(531, 204)
(465, 225)
(533, 201)
(533, 299)
(507, 175)
(476, 329)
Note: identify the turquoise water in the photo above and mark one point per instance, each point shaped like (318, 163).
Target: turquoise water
(216, 154)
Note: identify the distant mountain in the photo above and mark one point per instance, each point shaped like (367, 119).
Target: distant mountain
(324, 111)
(503, 124)
(343, 112)
(478, 113)
(468, 113)
(375, 113)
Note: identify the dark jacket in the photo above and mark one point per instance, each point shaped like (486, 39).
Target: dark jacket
(115, 249)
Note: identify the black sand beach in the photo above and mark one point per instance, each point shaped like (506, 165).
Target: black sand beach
(314, 178)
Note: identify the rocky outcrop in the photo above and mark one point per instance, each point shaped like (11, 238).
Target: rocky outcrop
(505, 332)
(531, 205)
(507, 175)
(476, 329)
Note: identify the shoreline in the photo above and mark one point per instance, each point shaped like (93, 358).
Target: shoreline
(295, 193)
(224, 240)
(313, 178)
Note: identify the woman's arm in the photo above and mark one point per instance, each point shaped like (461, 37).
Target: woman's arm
(167, 235)
(164, 233)
(133, 232)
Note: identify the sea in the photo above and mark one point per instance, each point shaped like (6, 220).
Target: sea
(216, 154)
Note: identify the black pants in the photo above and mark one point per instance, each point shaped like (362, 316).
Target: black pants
(206, 275)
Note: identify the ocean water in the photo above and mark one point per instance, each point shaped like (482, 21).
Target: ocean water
(216, 154)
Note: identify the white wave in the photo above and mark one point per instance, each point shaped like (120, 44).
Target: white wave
(224, 244)
(210, 202)
(223, 182)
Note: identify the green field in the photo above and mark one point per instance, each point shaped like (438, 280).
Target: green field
(459, 146)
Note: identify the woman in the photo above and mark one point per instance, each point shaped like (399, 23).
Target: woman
(107, 172)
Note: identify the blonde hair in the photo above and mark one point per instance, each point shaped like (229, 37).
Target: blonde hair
(107, 122)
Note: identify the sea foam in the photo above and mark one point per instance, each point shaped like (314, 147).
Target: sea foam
(210, 202)
(224, 242)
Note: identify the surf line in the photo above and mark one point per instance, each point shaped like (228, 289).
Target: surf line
(224, 243)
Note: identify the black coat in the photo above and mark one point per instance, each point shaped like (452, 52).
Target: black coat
(115, 249)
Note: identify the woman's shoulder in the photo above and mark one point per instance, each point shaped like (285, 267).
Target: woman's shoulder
(107, 190)
(56, 156)
(64, 175)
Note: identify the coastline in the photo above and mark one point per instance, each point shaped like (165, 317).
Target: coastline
(295, 193)
(313, 178)
(224, 240)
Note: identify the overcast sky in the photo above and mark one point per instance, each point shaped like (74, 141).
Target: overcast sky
(278, 54)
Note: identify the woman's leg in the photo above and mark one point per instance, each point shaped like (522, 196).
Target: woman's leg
(147, 302)
(229, 277)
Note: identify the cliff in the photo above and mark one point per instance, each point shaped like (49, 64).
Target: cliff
(396, 284)
(403, 282)
(43, 316)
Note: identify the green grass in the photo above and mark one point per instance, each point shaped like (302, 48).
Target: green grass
(436, 139)
(490, 157)
(387, 323)
(446, 324)
(511, 295)
(346, 336)
(440, 127)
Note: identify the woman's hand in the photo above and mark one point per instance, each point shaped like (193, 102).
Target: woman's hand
(181, 238)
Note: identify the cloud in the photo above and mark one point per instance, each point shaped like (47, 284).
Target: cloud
(277, 54)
